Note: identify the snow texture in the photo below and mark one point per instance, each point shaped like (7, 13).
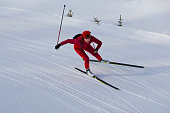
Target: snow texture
(36, 78)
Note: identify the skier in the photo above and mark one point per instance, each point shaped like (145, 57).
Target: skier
(81, 43)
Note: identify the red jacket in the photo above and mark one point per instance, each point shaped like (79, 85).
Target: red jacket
(77, 42)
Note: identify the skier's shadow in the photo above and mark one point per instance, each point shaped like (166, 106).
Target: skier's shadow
(157, 70)
(147, 71)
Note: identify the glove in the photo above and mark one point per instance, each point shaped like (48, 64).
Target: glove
(57, 46)
(96, 50)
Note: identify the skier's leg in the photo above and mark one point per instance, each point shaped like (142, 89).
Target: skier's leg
(90, 49)
(84, 56)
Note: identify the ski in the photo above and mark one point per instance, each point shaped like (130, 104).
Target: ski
(116, 63)
(98, 79)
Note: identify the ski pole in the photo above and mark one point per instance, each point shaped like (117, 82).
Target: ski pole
(61, 24)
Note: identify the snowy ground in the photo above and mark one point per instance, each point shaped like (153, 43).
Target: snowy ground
(35, 78)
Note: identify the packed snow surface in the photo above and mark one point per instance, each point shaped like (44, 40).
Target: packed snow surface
(36, 78)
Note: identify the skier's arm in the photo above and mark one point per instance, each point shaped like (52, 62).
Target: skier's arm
(71, 41)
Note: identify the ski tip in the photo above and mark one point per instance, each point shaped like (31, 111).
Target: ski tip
(118, 89)
(142, 66)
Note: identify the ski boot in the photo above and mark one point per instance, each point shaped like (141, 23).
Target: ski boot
(89, 73)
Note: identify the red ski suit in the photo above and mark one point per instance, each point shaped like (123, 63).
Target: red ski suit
(80, 45)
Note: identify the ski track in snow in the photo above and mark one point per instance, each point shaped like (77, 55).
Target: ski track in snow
(137, 83)
(141, 84)
(23, 49)
(54, 87)
(44, 49)
(114, 107)
(39, 91)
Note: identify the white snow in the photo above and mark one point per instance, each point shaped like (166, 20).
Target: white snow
(36, 78)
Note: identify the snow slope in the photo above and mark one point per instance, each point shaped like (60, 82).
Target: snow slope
(35, 78)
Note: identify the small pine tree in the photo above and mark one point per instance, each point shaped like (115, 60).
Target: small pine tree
(120, 21)
(96, 20)
(70, 13)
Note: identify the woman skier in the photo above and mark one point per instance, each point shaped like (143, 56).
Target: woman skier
(81, 43)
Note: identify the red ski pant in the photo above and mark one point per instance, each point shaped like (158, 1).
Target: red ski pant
(82, 53)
